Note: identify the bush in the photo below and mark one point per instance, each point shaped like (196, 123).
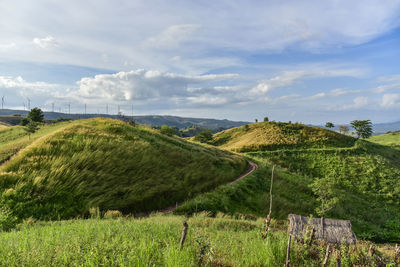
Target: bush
(204, 136)
(7, 220)
(112, 214)
(167, 130)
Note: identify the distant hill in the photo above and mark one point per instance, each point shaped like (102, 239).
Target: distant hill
(107, 164)
(279, 135)
(155, 120)
(381, 128)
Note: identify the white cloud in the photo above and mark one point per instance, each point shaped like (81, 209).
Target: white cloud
(288, 78)
(172, 36)
(4, 47)
(390, 100)
(47, 42)
(142, 84)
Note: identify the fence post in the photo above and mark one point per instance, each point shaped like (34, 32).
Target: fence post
(184, 232)
(288, 263)
(327, 254)
(397, 254)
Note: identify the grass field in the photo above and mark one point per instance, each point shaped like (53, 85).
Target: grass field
(154, 241)
(108, 164)
(278, 135)
(390, 139)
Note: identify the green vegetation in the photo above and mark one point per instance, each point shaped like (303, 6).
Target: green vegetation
(204, 136)
(111, 165)
(154, 241)
(279, 135)
(329, 125)
(168, 130)
(391, 139)
(363, 128)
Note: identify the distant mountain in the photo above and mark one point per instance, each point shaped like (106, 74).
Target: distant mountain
(155, 120)
(381, 128)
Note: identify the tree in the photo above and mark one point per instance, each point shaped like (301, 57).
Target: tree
(266, 119)
(31, 127)
(343, 129)
(363, 128)
(329, 125)
(25, 121)
(167, 130)
(327, 194)
(36, 115)
(256, 120)
(204, 136)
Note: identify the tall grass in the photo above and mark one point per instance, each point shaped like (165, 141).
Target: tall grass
(111, 165)
(154, 241)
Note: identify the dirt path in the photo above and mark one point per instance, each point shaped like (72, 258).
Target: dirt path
(252, 167)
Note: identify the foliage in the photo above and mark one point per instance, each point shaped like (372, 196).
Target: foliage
(7, 220)
(31, 128)
(266, 119)
(327, 194)
(168, 130)
(36, 115)
(111, 165)
(329, 125)
(363, 128)
(25, 121)
(204, 136)
(343, 129)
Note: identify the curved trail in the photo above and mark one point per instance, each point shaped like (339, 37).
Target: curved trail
(252, 167)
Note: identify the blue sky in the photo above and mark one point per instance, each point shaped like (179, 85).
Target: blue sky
(306, 61)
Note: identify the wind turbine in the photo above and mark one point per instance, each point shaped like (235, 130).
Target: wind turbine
(2, 102)
(29, 103)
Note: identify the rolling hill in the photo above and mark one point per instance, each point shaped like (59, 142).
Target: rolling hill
(391, 139)
(313, 166)
(111, 165)
(278, 135)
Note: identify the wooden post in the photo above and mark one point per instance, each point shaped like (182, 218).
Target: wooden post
(371, 250)
(327, 254)
(184, 232)
(312, 235)
(288, 263)
(338, 258)
(397, 254)
(268, 220)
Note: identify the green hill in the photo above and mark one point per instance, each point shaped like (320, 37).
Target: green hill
(389, 139)
(111, 165)
(278, 135)
(362, 178)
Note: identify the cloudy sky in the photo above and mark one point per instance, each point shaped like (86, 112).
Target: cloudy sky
(303, 60)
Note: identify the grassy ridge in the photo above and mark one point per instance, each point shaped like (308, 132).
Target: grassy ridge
(154, 241)
(391, 139)
(278, 135)
(15, 138)
(111, 165)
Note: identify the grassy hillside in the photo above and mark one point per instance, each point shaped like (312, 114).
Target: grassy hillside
(278, 135)
(154, 241)
(111, 165)
(389, 139)
(15, 138)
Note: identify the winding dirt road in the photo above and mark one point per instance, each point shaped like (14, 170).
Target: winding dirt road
(252, 167)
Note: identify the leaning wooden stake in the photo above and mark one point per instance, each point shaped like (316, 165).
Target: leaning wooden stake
(327, 254)
(268, 220)
(371, 250)
(184, 232)
(338, 258)
(397, 254)
(288, 263)
(312, 233)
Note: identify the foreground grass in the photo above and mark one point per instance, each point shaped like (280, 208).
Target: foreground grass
(154, 241)
(111, 165)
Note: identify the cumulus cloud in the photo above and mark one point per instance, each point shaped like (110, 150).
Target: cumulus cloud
(390, 100)
(142, 84)
(46, 42)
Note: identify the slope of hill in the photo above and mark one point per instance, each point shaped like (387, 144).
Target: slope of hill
(111, 165)
(361, 180)
(155, 120)
(278, 135)
(391, 139)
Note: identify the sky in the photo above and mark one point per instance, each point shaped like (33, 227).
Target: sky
(307, 61)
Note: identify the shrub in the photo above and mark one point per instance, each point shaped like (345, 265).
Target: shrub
(112, 214)
(7, 220)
